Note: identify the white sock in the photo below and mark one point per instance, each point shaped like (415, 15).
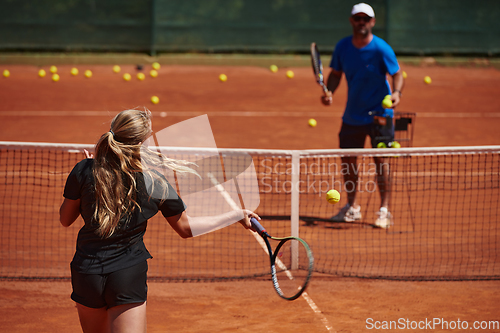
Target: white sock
(383, 209)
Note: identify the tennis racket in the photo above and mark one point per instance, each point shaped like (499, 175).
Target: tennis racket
(317, 67)
(291, 263)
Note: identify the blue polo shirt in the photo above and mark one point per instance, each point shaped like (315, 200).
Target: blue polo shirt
(365, 70)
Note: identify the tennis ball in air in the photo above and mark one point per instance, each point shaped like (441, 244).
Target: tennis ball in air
(127, 77)
(223, 77)
(141, 76)
(289, 74)
(386, 103)
(55, 77)
(405, 75)
(333, 196)
(74, 71)
(395, 144)
(156, 65)
(41, 73)
(53, 69)
(153, 73)
(381, 145)
(116, 69)
(155, 100)
(312, 122)
(88, 73)
(6, 73)
(273, 68)
(427, 79)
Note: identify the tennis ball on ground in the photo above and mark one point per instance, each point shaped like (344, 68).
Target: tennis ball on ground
(405, 75)
(41, 73)
(381, 145)
(153, 73)
(290, 74)
(427, 79)
(273, 68)
(386, 103)
(74, 71)
(155, 100)
(312, 122)
(53, 69)
(333, 196)
(127, 77)
(88, 73)
(55, 77)
(116, 69)
(395, 144)
(156, 65)
(6, 73)
(141, 76)
(223, 77)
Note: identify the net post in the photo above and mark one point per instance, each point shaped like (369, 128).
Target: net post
(294, 213)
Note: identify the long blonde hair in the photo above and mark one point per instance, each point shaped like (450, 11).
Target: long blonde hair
(117, 159)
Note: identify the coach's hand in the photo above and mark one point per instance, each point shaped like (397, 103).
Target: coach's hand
(327, 98)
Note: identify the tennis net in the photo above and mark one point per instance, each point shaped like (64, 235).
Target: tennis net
(444, 203)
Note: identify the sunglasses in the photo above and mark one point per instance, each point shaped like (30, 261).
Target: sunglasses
(365, 19)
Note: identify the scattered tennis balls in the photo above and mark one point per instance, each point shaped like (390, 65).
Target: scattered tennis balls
(395, 144)
(273, 68)
(405, 75)
(381, 145)
(153, 73)
(387, 103)
(427, 79)
(6, 73)
(141, 76)
(290, 74)
(41, 73)
(88, 73)
(53, 69)
(55, 77)
(127, 77)
(74, 71)
(223, 77)
(156, 65)
(312, 122)
(116, 69)
(155, 100)
(333, 196)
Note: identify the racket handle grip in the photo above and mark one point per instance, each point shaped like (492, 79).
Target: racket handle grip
(257, 226)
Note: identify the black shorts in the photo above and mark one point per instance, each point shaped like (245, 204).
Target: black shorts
(108, 290)
(351, 136)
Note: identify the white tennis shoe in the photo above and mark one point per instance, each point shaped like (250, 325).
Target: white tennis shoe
(384, 219)
(347, 214)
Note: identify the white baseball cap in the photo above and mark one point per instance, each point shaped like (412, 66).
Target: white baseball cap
(363, 8)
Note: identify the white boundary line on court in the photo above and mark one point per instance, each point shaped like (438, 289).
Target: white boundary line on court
(282, 114)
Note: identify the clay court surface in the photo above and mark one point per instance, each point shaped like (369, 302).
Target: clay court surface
(253, 109)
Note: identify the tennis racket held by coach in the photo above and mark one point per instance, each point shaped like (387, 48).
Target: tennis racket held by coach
(318, 67)
(291, 263)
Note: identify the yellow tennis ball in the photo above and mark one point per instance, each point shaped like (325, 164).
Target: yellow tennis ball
(141, 76)
(223, 77)
(74, 71)
(156, 65)
(313, 122)
(153, 73)
(387, 97)
(88, 73)
(333, 196)
(386, 103)
(116, 69)
(127, 77)
(381, 145)
(6, 73)
(273, 68)
(53, 69)
(395, 144)
(405, 75)
(55, 77)
(41, 73)
(155, 100)
(289, 74)
(427, 79)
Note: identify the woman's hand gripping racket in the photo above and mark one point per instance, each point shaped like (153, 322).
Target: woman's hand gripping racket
(291, 263)
(318, 67)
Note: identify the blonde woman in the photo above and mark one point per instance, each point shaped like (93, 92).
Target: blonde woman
(116, 194)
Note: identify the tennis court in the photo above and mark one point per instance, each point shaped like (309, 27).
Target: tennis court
(258, 109)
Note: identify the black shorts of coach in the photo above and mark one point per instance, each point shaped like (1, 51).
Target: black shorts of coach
(125, 286)
(381, 130)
